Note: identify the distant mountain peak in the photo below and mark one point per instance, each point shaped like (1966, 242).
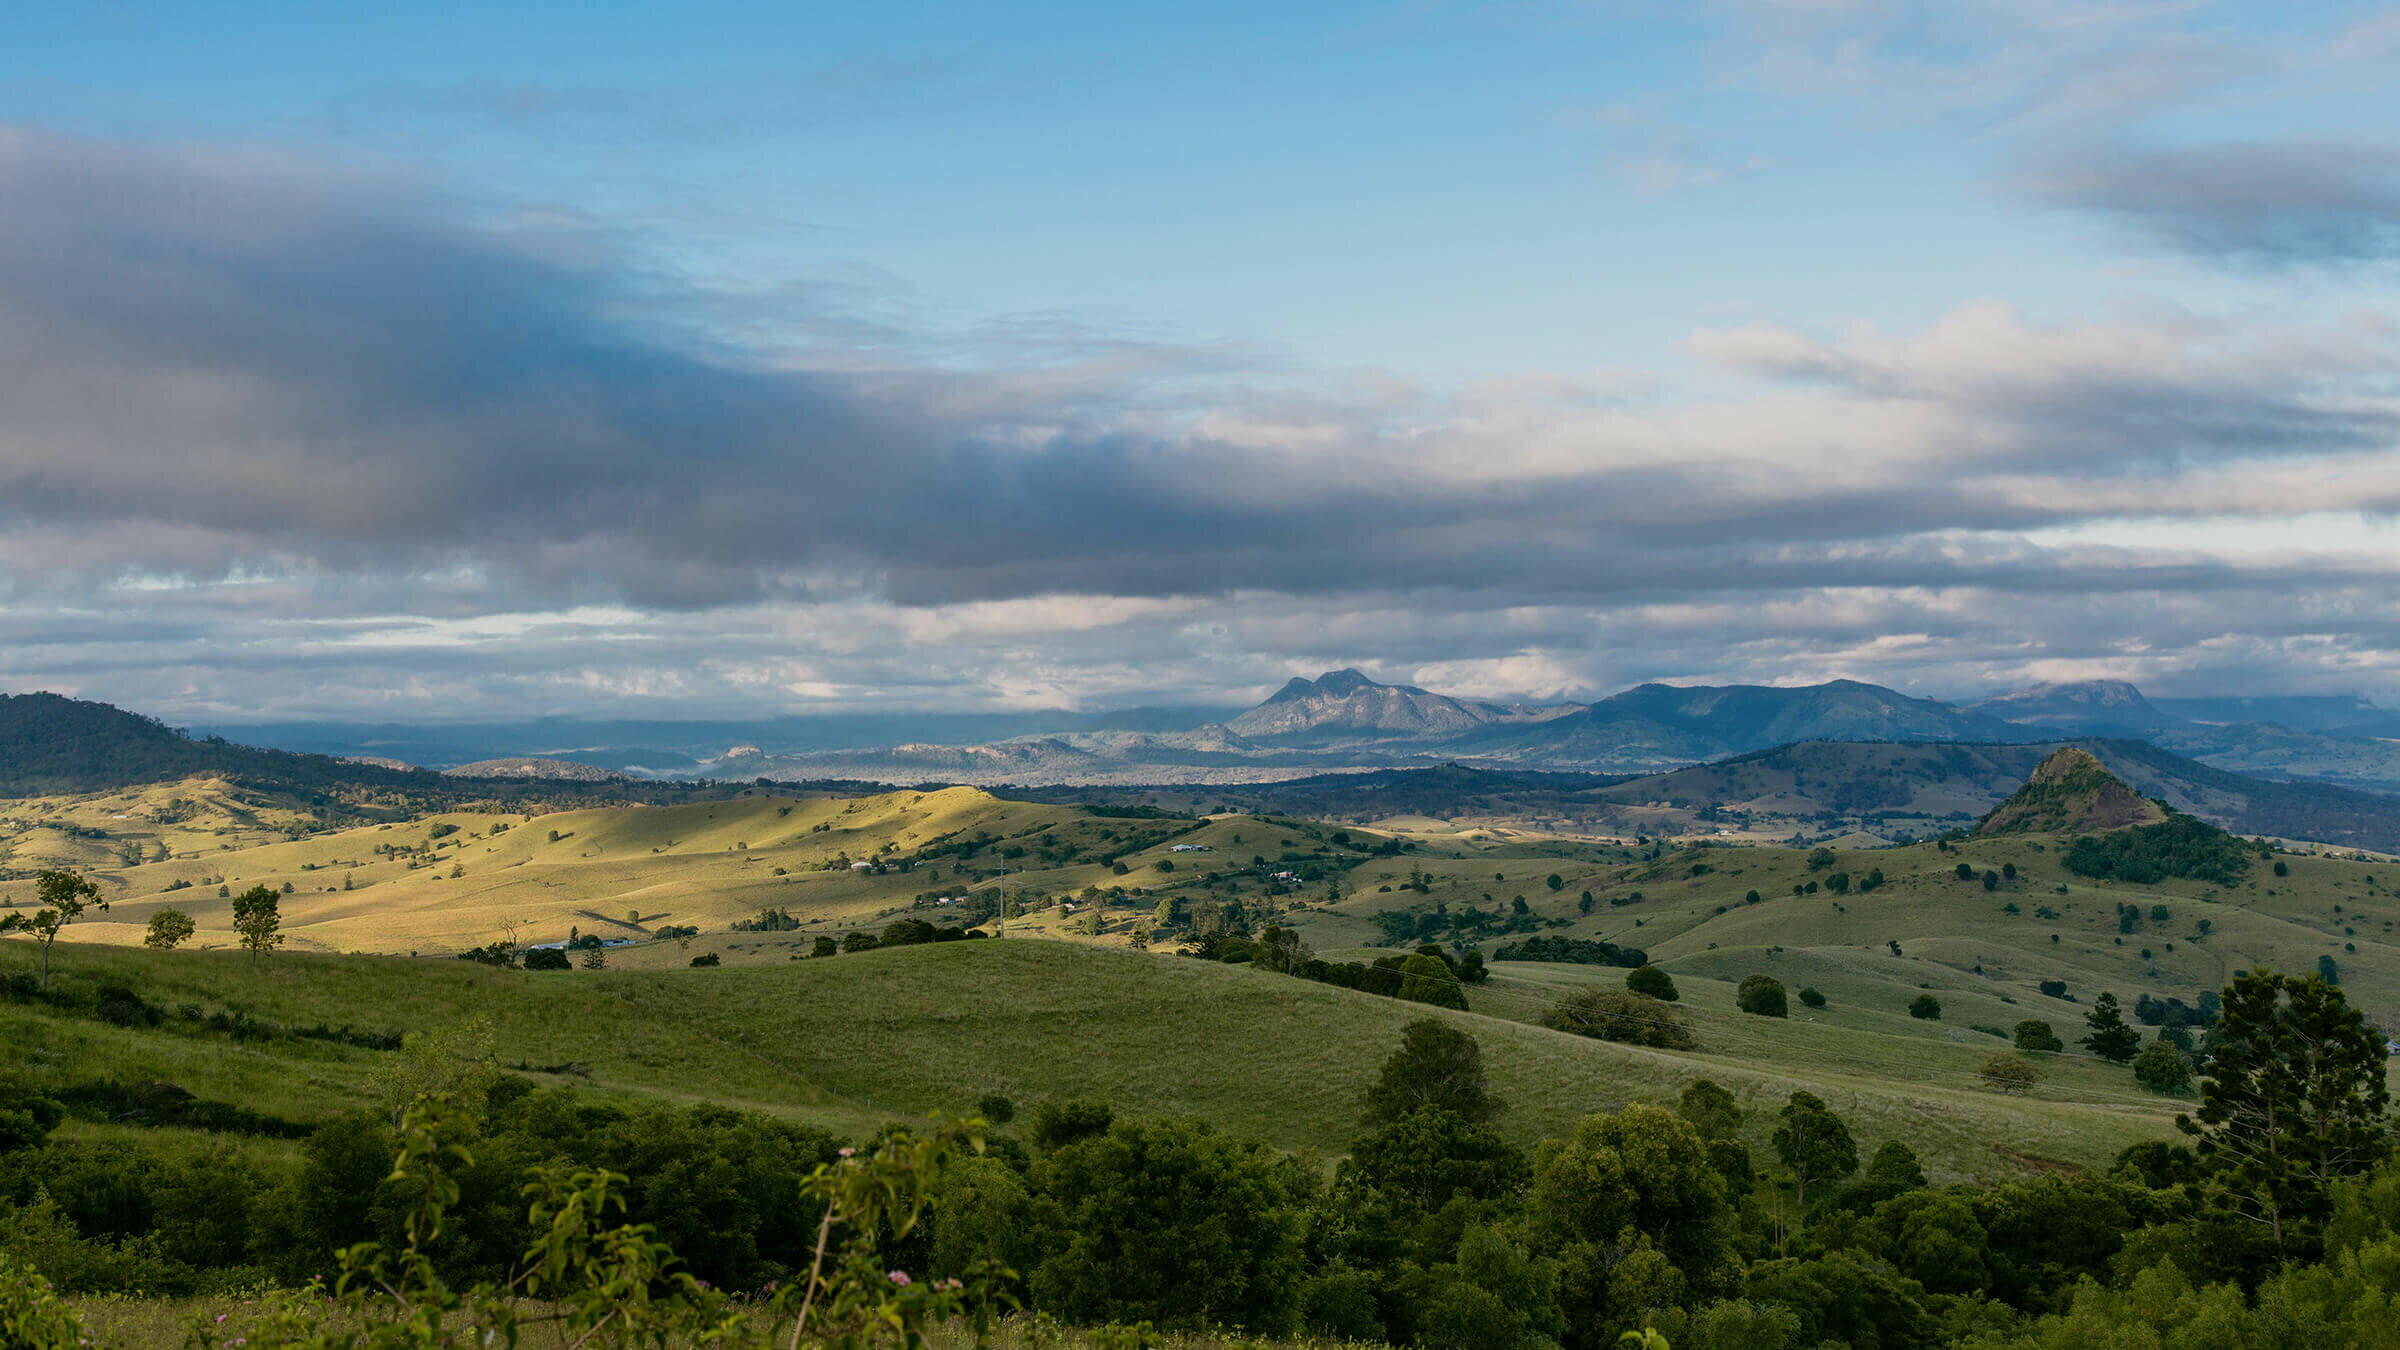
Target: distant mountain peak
(2071, 792)
(2081, 705)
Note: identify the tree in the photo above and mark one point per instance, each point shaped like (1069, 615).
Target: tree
(1813, 1143)
(1426, 979)
(1624, 1017)
(168, 927)
(1811, 998)
(2162, 1068)
(1761, 995)
(1437, 1065)
(1711, 1110)
(1652, 981)
(595, 957)
(1556, 882)
(2109, 1037)
(1925, 1008)
(2034, 1036)
(62, 897)
(2009, 1074)
(1636, 1214)
(1169, 1221)
(2293, 1101)
(257, 915)
(823, 945)
(547, 958)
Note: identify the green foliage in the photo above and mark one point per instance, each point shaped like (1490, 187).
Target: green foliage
(168, 928)
(1652, 981)
(60, 898)
(2293, 1101)
(1636, 1215)
(2161, 1067)
(1427, 979)
(1710, 1110)
(1438, 1066)
(2179, 846)
(1925, 1008)
(257, 917)
(32, 1317)
(2007, 1073)
(1813, 1143)
(1579, 951)
(2109, 1037)
(1811, 998)
(1761, 996)
(1431, 1156)
(1622, 1016)
(2035, 1036)
(1174, 1224)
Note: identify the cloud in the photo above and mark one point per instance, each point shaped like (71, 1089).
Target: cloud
(2264, 201)
(284, 438)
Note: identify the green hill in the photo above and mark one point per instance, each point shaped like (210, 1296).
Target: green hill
(2069, 793)
(853, 1041)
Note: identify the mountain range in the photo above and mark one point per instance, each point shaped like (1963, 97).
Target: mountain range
(1343, 720)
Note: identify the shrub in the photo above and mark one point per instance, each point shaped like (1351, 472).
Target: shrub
(2009, 1074)
(2161, 1067)
(1925, 1008)
(1762, 996)
(547, 958)
(707, 959)
(1653, 982)
(2035, 1036)
(823, 946)
(997, 1109)
(1625, 1017)
(1809, 997)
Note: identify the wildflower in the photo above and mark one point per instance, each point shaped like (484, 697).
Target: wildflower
(900, 1277)
(847, 1153)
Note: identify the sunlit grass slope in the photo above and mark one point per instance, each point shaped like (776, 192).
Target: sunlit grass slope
(855, 1040)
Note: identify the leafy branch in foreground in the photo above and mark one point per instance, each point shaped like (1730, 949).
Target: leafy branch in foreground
(587, 1282)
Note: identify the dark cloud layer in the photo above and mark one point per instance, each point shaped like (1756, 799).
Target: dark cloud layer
(305, 402)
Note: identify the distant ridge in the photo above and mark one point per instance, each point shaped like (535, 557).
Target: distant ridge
(50, 743)
(2090, 707)
(2071, 792)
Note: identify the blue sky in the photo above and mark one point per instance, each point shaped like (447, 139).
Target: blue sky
(2062, 329)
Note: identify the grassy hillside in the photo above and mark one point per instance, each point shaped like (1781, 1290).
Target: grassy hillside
(863, 1036)
(859, 1039)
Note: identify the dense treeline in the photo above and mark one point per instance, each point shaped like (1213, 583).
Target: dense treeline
(2278, 1226)
(2179, 846)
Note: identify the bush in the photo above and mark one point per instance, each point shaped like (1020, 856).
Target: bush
(1652, 982)
(1762, 996)
(547, 958)
(1925, 1008)
(2009, 1074)
(707, 959)
(2161, 1067)
(997, 1109)
(2035, 1036)
(1625, 1017)
(1809, 997)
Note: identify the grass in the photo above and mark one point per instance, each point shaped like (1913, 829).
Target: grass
(870, 1037)
(858, 1040)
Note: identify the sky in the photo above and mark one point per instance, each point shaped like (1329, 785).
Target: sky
(467, 362)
